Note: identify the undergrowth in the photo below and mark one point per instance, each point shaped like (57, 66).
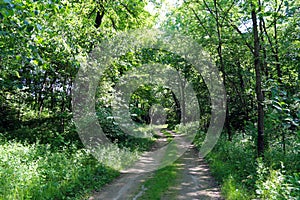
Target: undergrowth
(242, 176)
(36, 171)
(59, 167)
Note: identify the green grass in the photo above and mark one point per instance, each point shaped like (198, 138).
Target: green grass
(38, 171)
(58, 168)
(242, 176)
(168, 135)
(234, 191)
(161, 181)
(232, 164)
(163, 178)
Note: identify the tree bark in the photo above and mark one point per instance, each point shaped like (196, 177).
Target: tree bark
(259, 94)
(99, 17)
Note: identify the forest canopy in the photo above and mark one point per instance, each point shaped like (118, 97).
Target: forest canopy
(254, 44)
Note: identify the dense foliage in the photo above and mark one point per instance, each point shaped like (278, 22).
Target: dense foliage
(255, 45)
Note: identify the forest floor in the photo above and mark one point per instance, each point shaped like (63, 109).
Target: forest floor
(194, 181)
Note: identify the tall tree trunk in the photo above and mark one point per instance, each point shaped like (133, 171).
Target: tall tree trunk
(70, 86)
(278, 67)
(183, 102)
(63, 107)
(259, 94)
(264, 64)
(52, 88)
(177, 105)
(222, 67)
(40, 97)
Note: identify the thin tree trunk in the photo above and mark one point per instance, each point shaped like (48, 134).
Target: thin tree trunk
(259, 94)
(63, 107)
(41, 98)
(183, 103)
(278, 67)
(264, 64)
(222, 67)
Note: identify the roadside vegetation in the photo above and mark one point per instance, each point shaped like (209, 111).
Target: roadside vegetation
(37, 171)
(243, 176)
(254, 45)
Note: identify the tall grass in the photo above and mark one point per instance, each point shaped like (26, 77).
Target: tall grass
(60, 168)
(38, 171)
(242, 176)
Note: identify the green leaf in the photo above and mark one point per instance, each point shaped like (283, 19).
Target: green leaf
(34, 62)
(18, 57)
(17, 74)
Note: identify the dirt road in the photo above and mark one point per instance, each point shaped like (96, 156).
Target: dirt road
(195, 182)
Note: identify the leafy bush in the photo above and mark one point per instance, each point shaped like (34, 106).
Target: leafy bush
(274, 184)
(38, 171)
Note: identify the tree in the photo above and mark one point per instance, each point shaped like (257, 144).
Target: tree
(40, 44)
(247, 42)
(258, 81)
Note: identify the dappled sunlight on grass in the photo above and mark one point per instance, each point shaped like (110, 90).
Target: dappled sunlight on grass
(36, 171)
(117, 158)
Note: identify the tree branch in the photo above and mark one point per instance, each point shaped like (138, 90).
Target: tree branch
(128, 10)
(251, 48)
(113, 23)
(200, 22)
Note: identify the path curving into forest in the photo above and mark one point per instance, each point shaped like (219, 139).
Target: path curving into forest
(195, 182)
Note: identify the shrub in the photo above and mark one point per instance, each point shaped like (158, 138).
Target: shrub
(274, 184)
